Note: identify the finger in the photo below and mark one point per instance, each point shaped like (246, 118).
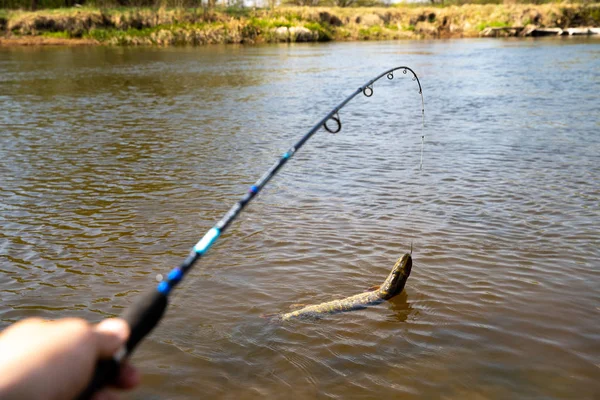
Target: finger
(31, 321)
(129, 376)
(110, 334)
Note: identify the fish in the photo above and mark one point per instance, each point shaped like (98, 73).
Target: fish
(392, 286)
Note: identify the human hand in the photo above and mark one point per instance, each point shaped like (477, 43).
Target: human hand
(55, 360)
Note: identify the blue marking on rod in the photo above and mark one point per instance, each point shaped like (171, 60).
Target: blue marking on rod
(207, 240)
(254, 189)
(164, 288)
(286, 155)
(175, 275)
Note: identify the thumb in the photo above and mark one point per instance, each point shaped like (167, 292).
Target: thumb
(110, 334)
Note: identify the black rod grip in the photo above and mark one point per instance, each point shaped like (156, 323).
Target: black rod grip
(142, 316)
(106, 372)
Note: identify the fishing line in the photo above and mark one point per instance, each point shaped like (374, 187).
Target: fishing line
(144, 314)
(410, 207)
(422, 133)
(422, 145)
(421, 163)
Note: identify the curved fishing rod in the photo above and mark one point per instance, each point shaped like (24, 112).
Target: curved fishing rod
(147, 311)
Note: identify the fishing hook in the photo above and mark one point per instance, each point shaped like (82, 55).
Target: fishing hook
(145, 313)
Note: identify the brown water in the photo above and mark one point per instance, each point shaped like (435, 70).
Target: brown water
(115, 161)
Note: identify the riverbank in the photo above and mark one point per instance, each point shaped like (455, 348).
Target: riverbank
(145, 26)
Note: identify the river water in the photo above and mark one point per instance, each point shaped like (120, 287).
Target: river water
(115, 161)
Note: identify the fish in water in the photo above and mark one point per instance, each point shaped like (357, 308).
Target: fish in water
(393, 285)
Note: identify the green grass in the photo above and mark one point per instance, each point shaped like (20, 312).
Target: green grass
(293, 17)
(594, 15)
(105, 35)
(278, 24)
(493, 24)
(102, 35)
(324, 31)
(261, 25)
(57, 35)
(238, 12)
(372, 32)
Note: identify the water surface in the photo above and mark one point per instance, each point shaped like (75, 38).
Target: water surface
(115, 161)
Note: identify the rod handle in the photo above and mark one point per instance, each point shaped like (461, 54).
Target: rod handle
(106, 372)
(142, 316)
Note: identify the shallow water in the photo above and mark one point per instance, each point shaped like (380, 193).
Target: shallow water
(115, 161)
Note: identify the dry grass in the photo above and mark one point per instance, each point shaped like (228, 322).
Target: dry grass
(452, 21)
(194, 26)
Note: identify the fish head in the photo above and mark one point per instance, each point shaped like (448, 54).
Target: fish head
(394, 284)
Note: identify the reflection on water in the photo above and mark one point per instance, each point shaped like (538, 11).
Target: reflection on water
(116, 160)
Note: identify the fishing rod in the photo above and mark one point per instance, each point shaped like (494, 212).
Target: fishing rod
(145, 313)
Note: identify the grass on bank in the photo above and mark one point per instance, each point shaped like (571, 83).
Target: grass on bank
(496, 24)
(233, 25)
(57, 35)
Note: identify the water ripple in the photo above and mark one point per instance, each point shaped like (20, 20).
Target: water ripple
(115, 161)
